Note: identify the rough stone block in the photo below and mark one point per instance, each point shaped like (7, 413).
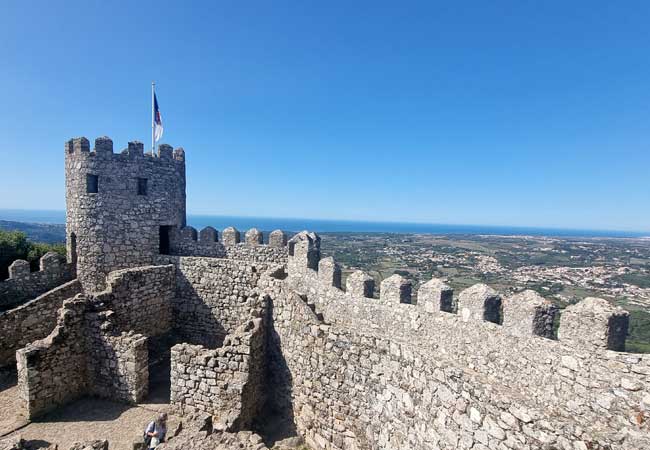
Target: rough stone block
(179, 154)
(51, 262)
(19, 269)
(135, 149)
(304, 252)
(104, 146)
(480, 302)
(435, 295)
(81, 144)
(329, 272)
(208, 234)
(254, 237)
(165, 151)
(278, 238)
(189, 233)
(594, 323)
(529, 313)
(360, 284)
(396, 289)
(230, 236)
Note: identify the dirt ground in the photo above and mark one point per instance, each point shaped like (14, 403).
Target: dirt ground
(90, 418)
(84, 420)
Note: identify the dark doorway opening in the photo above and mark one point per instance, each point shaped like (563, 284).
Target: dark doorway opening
(164, 239)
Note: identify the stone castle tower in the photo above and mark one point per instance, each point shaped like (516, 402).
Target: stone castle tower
(121, 209)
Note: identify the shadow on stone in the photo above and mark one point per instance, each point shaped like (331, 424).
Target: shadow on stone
(276, 422)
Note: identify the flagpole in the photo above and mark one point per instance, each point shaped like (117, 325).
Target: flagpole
(153, 143)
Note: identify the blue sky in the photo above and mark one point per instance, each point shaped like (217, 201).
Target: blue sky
(500, 113)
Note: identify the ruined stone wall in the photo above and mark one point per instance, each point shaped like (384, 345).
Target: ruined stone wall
(226, 382)
(213, 297)
(140, 299)
(32, 321)
(118, 226)
(118, 364)
(23, 285)
(365, 373)
(52, 371)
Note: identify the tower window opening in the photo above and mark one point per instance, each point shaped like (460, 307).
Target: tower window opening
(142, 186)
(92, 183)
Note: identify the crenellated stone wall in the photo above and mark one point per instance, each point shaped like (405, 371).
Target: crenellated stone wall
(358, 372)
(23, 285)
(189, 242)
(111, 223)
(32, 321)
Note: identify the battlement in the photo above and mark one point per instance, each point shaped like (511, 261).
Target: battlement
(80, 148)
(231, 236)
(228, 244)
(117, 203)
(591, 323)
(23, 284)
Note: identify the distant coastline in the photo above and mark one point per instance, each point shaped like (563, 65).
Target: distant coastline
(339, 226)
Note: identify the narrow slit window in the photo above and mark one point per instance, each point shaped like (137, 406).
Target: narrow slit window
(92, 183)
(142, 186)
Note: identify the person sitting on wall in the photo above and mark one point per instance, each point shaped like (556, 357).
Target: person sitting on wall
(155, 432)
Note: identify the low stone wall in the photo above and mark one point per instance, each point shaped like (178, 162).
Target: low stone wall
(52, 371)
(226, 382)
(213, 297)
(366, 373)
(118, 366)
(32, 321)
(23, 285)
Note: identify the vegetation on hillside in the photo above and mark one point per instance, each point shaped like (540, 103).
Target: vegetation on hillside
(14, 245)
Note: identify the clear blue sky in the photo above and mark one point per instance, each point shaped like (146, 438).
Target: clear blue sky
(501, 112)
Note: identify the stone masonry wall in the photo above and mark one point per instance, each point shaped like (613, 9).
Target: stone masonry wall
(393, 375)
(52, 371)
(32, 321)
(119, 364)
(226, 382)
(140, 299)
(189, 242)
(23, 285)
(118, 226)
(212, 297)
(100, 343)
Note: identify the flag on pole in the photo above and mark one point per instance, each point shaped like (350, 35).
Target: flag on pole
(157, 120)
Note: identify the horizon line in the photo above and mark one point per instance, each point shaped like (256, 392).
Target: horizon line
(641, 233)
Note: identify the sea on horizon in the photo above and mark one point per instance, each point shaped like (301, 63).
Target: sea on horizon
(243, 223)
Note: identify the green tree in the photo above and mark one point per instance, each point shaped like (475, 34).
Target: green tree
(13, 245)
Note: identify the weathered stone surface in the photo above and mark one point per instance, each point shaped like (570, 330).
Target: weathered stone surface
(396, 289)
(23, 285)
(529, 313)
(268, 325)
(32, 321)
(435, 295)
(480, 302)
(360, 284)
(118, 227)
(595, 322)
